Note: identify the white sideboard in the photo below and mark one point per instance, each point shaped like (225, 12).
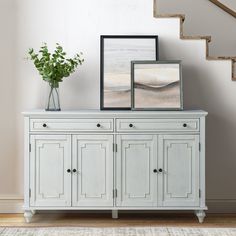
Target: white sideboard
(114, 160)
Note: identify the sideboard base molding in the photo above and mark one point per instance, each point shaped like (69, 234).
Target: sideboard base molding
(28, 215)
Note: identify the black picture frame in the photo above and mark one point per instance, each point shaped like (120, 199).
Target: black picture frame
(178, 86)
(102, 44)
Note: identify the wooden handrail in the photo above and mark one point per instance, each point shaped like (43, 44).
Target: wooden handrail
(224, 7)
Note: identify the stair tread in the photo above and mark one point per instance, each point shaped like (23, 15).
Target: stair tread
(208, 38)
(182, 16)
(221, 58)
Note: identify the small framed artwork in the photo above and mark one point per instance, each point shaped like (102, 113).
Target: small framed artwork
(156, 85)
(117, 52)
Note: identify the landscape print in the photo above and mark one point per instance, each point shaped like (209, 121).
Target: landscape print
(157, 86)
(118, 54)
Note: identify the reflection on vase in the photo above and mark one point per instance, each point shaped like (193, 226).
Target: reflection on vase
(53, 101)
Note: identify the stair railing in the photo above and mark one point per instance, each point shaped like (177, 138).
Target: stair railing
(224, 7)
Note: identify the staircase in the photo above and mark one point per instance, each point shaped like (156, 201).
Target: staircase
(208, 39)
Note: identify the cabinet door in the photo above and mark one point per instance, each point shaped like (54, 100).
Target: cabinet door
(93, 162)
(136, 159)
(50, 182)
(179, 181)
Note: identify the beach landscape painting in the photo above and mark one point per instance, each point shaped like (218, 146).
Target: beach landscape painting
(157, 85)
(117, 52)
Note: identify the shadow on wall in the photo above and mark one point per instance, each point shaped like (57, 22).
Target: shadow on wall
(220, 156)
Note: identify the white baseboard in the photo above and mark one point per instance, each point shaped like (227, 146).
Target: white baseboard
(14, 204)
(11, 206)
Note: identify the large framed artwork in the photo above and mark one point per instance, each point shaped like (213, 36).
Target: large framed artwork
(117, 52)
(156, 85)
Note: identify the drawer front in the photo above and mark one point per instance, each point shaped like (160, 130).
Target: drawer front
(93, 125)
(134, 125)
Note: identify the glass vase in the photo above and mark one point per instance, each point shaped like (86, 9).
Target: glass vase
(53, 100)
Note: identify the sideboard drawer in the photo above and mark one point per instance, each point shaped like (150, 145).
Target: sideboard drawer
(96, 125)
(132, 125)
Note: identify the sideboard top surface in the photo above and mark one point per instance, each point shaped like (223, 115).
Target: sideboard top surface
(114, 114)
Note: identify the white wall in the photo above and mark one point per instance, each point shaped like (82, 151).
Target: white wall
(77, 25)
(8, 157)
(205, 18)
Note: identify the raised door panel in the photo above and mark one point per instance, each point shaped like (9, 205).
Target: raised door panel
(93, 179)
(136, 159)
(179, 180)
(50, 182)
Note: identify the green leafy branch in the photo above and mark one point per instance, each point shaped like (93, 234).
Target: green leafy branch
(53, 67)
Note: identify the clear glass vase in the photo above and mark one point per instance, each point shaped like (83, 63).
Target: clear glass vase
(53, 100)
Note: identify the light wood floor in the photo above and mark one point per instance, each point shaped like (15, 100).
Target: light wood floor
(125, 220)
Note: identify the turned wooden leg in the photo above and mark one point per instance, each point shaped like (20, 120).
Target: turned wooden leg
(114, 214)
(33, 212)
(200, 215)
(28, 216)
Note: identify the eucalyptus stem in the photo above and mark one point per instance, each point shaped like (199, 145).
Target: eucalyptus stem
(59, 105)
(54, 104)
(49, 98)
